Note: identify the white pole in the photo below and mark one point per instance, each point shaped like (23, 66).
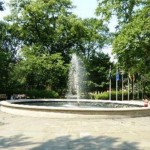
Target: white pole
(133, 89)
(122, 86)
(110, 83)
(128, 89)
(138, 85)
(117, 84)
(142, 90)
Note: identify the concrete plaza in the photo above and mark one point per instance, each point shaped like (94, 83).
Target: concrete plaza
(29, 133)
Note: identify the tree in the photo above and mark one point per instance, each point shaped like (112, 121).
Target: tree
(46, 31)
(7, 56)
(49, 24)
(52, 25)
(1, 6)
(133, 32)
(124, 10)
(43, 72)
(98, 69)
(132, 43)
(96, 37)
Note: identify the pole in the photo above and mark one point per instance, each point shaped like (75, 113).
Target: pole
(128, 89)
(132, 86)
(122, 86)
(117, 78)
(142, 90)
(110, 83)
(116, 87)
(133, 90)
(138, 85)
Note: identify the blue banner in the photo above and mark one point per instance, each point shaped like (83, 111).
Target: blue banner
(117, 76)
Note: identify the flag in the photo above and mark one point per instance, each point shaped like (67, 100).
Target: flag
(117, 76)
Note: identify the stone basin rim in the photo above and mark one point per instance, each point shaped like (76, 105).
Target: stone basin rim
(11, 103)
(74, 112)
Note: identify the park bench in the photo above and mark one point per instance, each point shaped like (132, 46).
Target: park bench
(19, 96)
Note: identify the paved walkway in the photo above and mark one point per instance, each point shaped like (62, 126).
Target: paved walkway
(28, 133)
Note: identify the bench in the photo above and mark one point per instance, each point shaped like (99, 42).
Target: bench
(19, 96)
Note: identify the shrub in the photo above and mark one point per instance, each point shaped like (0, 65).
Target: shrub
(105, 95)
(34, 93)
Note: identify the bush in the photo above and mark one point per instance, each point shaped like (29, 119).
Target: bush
(34, 93)
(105, 95)
(41, 94)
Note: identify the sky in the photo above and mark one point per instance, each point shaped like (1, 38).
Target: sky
(84, 9)
(6, 10)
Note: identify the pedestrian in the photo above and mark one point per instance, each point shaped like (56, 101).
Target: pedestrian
(145, 101)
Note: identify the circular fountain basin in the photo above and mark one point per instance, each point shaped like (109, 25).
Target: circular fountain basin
(62, 108)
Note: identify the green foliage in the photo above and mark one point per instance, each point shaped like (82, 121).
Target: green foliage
(105, 95)
(34, 93)
(40, 37)
(45, 71)
(51, 25)
(98, 67)
(133, 43)
(138, 95)
(124, 10)
(95, 38)
(7, 58)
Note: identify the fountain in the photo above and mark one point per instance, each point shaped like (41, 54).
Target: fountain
(76, 79)
(77, 108)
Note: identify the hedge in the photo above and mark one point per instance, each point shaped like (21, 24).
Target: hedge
(105, 95)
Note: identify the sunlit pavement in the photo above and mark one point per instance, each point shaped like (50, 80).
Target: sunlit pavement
(28, 133)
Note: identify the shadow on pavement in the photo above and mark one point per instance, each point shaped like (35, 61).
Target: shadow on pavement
(2, 123)
(14, 141)
(87, 143)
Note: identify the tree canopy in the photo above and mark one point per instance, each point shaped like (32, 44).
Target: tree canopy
(131, 40)
(39, 38)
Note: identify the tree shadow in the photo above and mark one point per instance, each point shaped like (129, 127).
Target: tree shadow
(2, 123)
(87, 143)
(14, 141)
